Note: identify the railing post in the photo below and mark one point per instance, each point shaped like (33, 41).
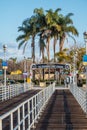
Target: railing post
(11, 125)
(5, 92)
(23, 118)
(2, 93)
(0, 124)
(29, 114)
(8, 92)
(33, 113)
(18, 118)
(38, 105)
(35, 107)
(86, 104)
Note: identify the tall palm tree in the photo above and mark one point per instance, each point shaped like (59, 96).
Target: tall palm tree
(33, 31)
(29, 29)
(44, 27)
(25, 36)
(44, 31)
(41, 27)
(67, 28)
(55, 28)
(42, 47)
(42, 50)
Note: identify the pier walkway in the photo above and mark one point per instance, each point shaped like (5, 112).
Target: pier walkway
(62, 113)
(50, 108)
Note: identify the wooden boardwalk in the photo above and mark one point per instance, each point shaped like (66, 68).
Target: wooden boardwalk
(62, 113)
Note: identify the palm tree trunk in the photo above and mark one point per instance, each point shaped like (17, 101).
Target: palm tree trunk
(61, 43)
(33, 54)
(48, 53)
(33, 49)
(54, 50)
(54, 47)
(48, 49)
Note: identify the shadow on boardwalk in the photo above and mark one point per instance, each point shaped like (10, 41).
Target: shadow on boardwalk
(62, 113)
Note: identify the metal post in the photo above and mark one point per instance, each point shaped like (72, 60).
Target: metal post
(0, 124)
(11, 124)
(75, 72)
(4, 49)
(24, 74)
(18, 118)
(23, 117)
(85, 38)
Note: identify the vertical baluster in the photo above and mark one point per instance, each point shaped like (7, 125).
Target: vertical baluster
(11, 125)
(23, 118)
(0, 124)
(29, 114)
(18, 118)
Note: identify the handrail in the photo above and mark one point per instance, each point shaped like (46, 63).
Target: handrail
(7, 92)
(25, 115)
(81, 96)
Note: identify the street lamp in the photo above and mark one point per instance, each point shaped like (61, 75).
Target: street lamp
(85, 39)
(24, 72)
(75, 67)
(4, 63)
(75, 64)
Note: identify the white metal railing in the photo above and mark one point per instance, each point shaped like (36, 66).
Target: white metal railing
(25, 115)
(81, 96)
(7, 92)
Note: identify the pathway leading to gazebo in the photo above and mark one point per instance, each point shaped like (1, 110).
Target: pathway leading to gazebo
(62, 113)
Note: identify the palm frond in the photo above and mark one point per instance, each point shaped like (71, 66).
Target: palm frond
(21, 43)
(20, 37)
(69, 15)
(73, 30)
(24, 47)
(57, 10)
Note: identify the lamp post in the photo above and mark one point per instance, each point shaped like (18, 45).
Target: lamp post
(24, 73)
(74, 65)
(75, 68)
(4, 63)
(85, 39)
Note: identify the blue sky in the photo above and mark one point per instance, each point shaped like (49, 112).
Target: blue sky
(13, 12)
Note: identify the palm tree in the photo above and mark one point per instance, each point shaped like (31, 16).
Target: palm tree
(44, 32)
(29, 29)
(33, 31)
(42, 47)
(25, 36)
(67, 27)
(48, 32)
(41, 27)
(47, 27)
(55, 28)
